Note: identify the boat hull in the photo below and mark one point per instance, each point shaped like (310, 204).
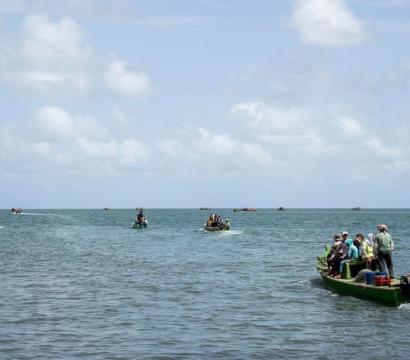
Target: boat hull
(135, 225)
(387, 295)
(216, 228)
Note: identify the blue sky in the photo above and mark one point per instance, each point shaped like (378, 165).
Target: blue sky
(295, 103)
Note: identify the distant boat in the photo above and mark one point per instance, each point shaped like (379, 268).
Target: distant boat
(204, 208)
(221, 227)
(107, 209)
(357, 208)
(244, 209)
(281, 208)
(16, 211)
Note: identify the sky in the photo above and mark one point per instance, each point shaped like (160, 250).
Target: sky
(217, 103)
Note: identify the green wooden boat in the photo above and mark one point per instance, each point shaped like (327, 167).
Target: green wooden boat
(392, 295)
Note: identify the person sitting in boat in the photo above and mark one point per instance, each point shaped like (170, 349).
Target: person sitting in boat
(385, 246)
(340, 254)
(368, 252)
(337, 239)
(358, 240)
(352, 253)
(220, 221)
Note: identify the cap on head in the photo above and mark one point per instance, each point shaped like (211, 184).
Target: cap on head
(381, 227)
(345, 233)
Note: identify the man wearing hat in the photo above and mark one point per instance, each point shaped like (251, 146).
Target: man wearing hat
(339, 255)
(385, 246)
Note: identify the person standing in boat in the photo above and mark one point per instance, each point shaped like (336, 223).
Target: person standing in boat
(385, 246)
(140, 216)
(368, 252)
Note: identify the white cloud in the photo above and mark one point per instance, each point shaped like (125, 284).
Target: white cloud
(351, 127)
(379, 148)
(172, 148)
(104, 150)
(125, 82)
(45, 79)
(327, 22)
(48, 55)
(48, 42)
(219, 144)
(272, 120)
(133, 152)
(223, 150)
(72, 143)
(53, 122)
(41, 148)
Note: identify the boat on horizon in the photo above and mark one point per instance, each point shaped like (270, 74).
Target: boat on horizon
(357, 208)
(281, 208)
(16, 211)
(353, 283)
(244, 209)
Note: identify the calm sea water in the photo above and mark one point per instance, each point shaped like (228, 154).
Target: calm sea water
(82, 284)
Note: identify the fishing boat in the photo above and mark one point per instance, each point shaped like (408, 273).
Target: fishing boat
(392, 293)
(217, 226)
(281, 208)
(204, 208)
(357, 208)
(244, 209)
(16, 211)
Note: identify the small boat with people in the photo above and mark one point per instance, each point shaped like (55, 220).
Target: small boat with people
(16, 211)
(281, 208)
(140, 221)
(217, 223)
(367, 276)
(244, 209)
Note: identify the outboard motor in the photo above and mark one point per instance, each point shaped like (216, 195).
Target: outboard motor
(405, 285)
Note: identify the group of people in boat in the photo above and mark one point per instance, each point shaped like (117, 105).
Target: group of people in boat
(216, 220)
(375, 250)
(16, 210)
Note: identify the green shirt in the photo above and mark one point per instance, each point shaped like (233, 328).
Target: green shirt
(384, 241)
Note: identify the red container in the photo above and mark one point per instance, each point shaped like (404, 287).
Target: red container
(380, 280)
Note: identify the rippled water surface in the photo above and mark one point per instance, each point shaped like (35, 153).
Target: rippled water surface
(82, 284)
